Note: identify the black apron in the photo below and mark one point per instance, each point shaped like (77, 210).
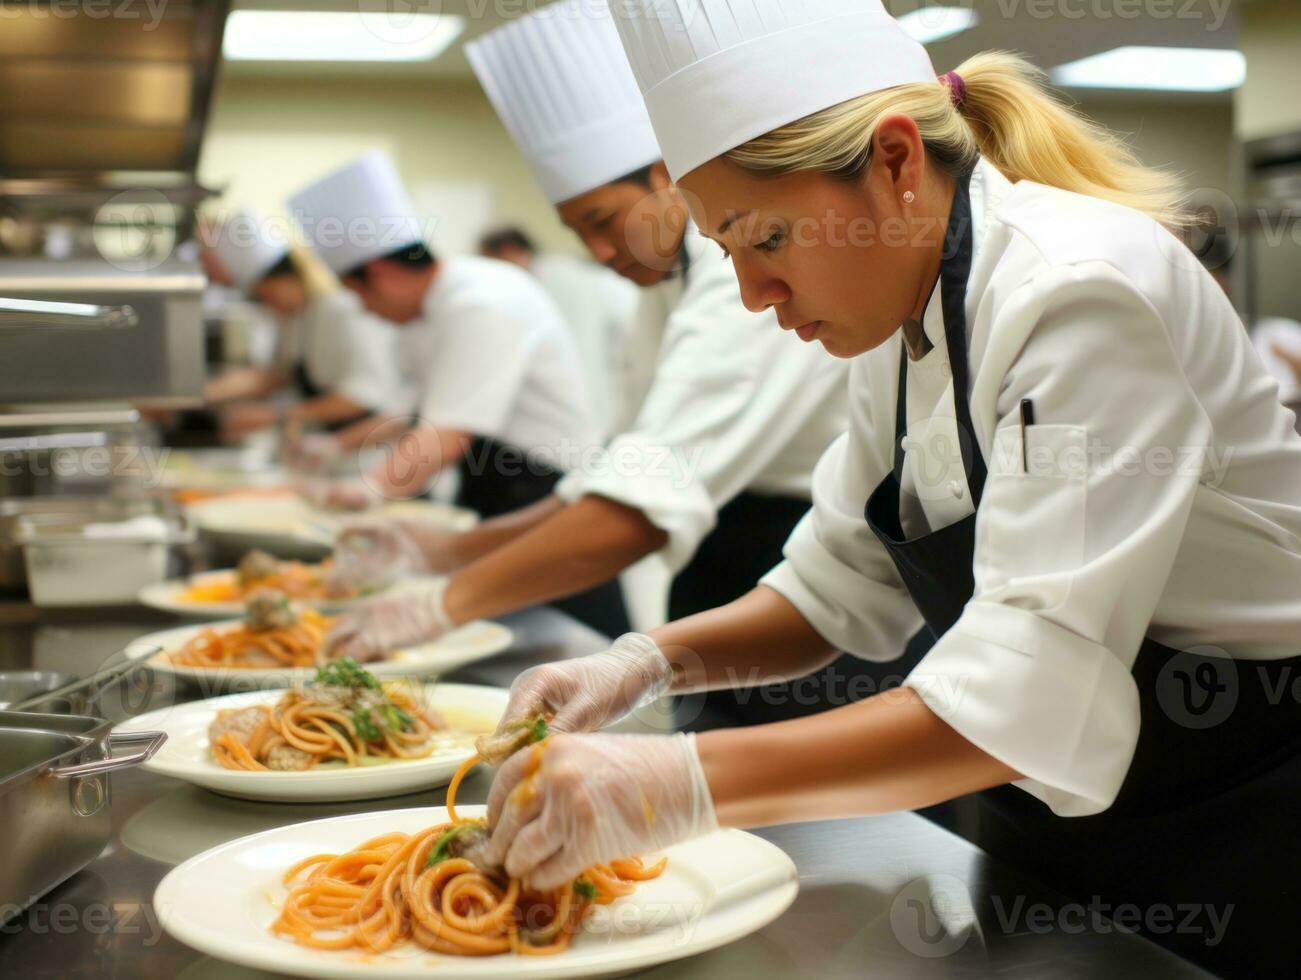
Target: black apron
(1201, 836)
(497, 479)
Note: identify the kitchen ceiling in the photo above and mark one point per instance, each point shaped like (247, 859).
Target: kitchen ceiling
(1050, 32)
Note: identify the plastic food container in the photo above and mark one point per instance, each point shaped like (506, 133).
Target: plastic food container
(94, 562)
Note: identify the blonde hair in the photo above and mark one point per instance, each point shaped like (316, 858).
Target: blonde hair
(1008, 116)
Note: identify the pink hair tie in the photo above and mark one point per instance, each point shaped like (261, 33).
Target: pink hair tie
(957, 87)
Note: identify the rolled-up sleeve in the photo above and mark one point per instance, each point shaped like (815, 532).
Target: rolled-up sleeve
(1075, 540)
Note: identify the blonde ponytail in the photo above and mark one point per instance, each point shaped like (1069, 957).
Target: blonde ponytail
(1007, 115)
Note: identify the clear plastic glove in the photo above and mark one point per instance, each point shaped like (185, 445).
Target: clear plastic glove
(375, 628)
(594, 799)
(373, 553)
(331, 494)
(313, 452)
(591, 692)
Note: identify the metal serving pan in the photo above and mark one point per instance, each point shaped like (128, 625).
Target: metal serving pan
(55, 798)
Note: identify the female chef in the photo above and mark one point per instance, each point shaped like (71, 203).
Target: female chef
(1064, 457)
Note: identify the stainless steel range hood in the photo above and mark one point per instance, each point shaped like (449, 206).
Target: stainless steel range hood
(104, 111)
(106, 85)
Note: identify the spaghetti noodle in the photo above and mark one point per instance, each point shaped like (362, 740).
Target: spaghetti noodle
(256, 647)
(429, 887)
(346, 714)
(257, 570)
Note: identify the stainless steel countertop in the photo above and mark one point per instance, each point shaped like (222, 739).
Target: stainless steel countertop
(891, 896)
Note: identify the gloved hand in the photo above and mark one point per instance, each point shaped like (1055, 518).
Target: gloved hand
(594, 799)
(311, 452)
(331, 494)
(591, 692)
(375, 628)
(372, 553)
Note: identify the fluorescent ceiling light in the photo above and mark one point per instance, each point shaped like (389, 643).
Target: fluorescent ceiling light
(303, 35)
(929, 24)
(1160, 69)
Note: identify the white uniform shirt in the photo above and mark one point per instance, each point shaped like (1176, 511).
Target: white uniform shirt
(598, 306)
(731, 403)
(347, 351)
(1163, 496)
(490, 355)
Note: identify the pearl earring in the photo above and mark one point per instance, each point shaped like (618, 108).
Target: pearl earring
(909, 197)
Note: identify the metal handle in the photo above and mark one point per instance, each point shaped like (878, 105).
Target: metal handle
(24, 314)
(153, 741)
(118, 668)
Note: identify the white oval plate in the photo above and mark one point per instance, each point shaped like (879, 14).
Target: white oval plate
(290, 527)
(714, 891)
(167, 596)
(471, 642)
(470, 709)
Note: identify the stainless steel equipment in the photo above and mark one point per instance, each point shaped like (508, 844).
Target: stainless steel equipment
(55, 797)
(147, 346)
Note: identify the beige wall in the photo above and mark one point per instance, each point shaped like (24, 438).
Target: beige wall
(1194, 140)
(270, 136)
(1269, 34)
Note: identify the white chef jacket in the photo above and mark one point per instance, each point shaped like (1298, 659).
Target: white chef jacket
(597, 305)
(490, 355)
(347, 351)
(1163, 495)
(728, 402)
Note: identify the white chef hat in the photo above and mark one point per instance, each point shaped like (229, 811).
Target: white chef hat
(561, 84)
(718, 73)
(357, 213)
(248, 247)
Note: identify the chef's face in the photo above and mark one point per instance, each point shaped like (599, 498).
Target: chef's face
(843, 262)
(391, 290)
(283, 295)
(632, 228)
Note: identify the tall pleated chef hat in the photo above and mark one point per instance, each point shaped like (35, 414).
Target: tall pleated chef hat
(357, 213)
(247, 248)
(562, 86)
(718, 73)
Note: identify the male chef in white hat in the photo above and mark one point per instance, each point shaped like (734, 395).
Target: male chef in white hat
(491, 371)
(338, 357)
(713, 470)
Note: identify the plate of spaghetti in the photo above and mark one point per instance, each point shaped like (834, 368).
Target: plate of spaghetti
(224, 592)
(279, 645)
(400, 894)
(344, 736)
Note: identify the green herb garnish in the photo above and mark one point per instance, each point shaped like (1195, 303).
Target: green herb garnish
(585, 888)
(441, 850)
(539, 730)
(345, 673)
(397, 719)
(366, 726)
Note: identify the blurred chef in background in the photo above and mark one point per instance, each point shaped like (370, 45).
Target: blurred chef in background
(598, 306)
(339, 360)
(490, 373)
(715, 471)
